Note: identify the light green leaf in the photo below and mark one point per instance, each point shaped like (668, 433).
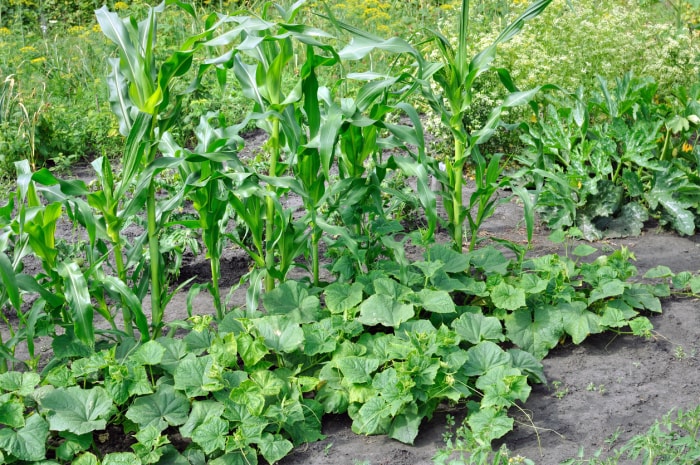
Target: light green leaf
(274, 447)
(452, 261)
(611, 288)
(320, 337)
(488, 424)
(149, 353)
(484, 356)
(202, 411)
(88, 458)
(536, 332)
(532, 284)
(280, 333)
(360, 47)
(211, 435)
(475, 327)
(12, 413)
(612, 318)
(405, 426)
(251, 349)
(436, 301)
(22, 384)
(244, 456)
(358, 370)
(166, 407)
(9, 281)
(578, 321)
(77, 410)
(342, 297)
(250, 395)
(502, 386)
(695, 285)
(489, 259)
(508, 297)
(292, 299)
(78, 298)
(374, 417)
(528, 364)
(73, 445)
(191, 376)
(391, 288)
(27, 443)
(640, 296)
(381, 309)
(121, 458)
(641, 326)
(660, 271)
(584, 250)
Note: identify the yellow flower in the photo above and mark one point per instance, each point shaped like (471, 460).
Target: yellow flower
(120, 6)
(38, 60)
(76, 30)
(96, 28)
(687, 147)
(28, 49)
(5, 31)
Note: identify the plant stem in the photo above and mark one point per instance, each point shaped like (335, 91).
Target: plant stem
(270, 214)
(216, 294)
(315, 236)
(121, 272)
(457, 194)
(154, 255)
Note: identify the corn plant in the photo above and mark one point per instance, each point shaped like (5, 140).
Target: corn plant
(456, 76)
(141, 95)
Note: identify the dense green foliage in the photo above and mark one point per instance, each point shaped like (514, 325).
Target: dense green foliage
(387, 338)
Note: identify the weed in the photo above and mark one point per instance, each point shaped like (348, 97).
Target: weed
(560, 391)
